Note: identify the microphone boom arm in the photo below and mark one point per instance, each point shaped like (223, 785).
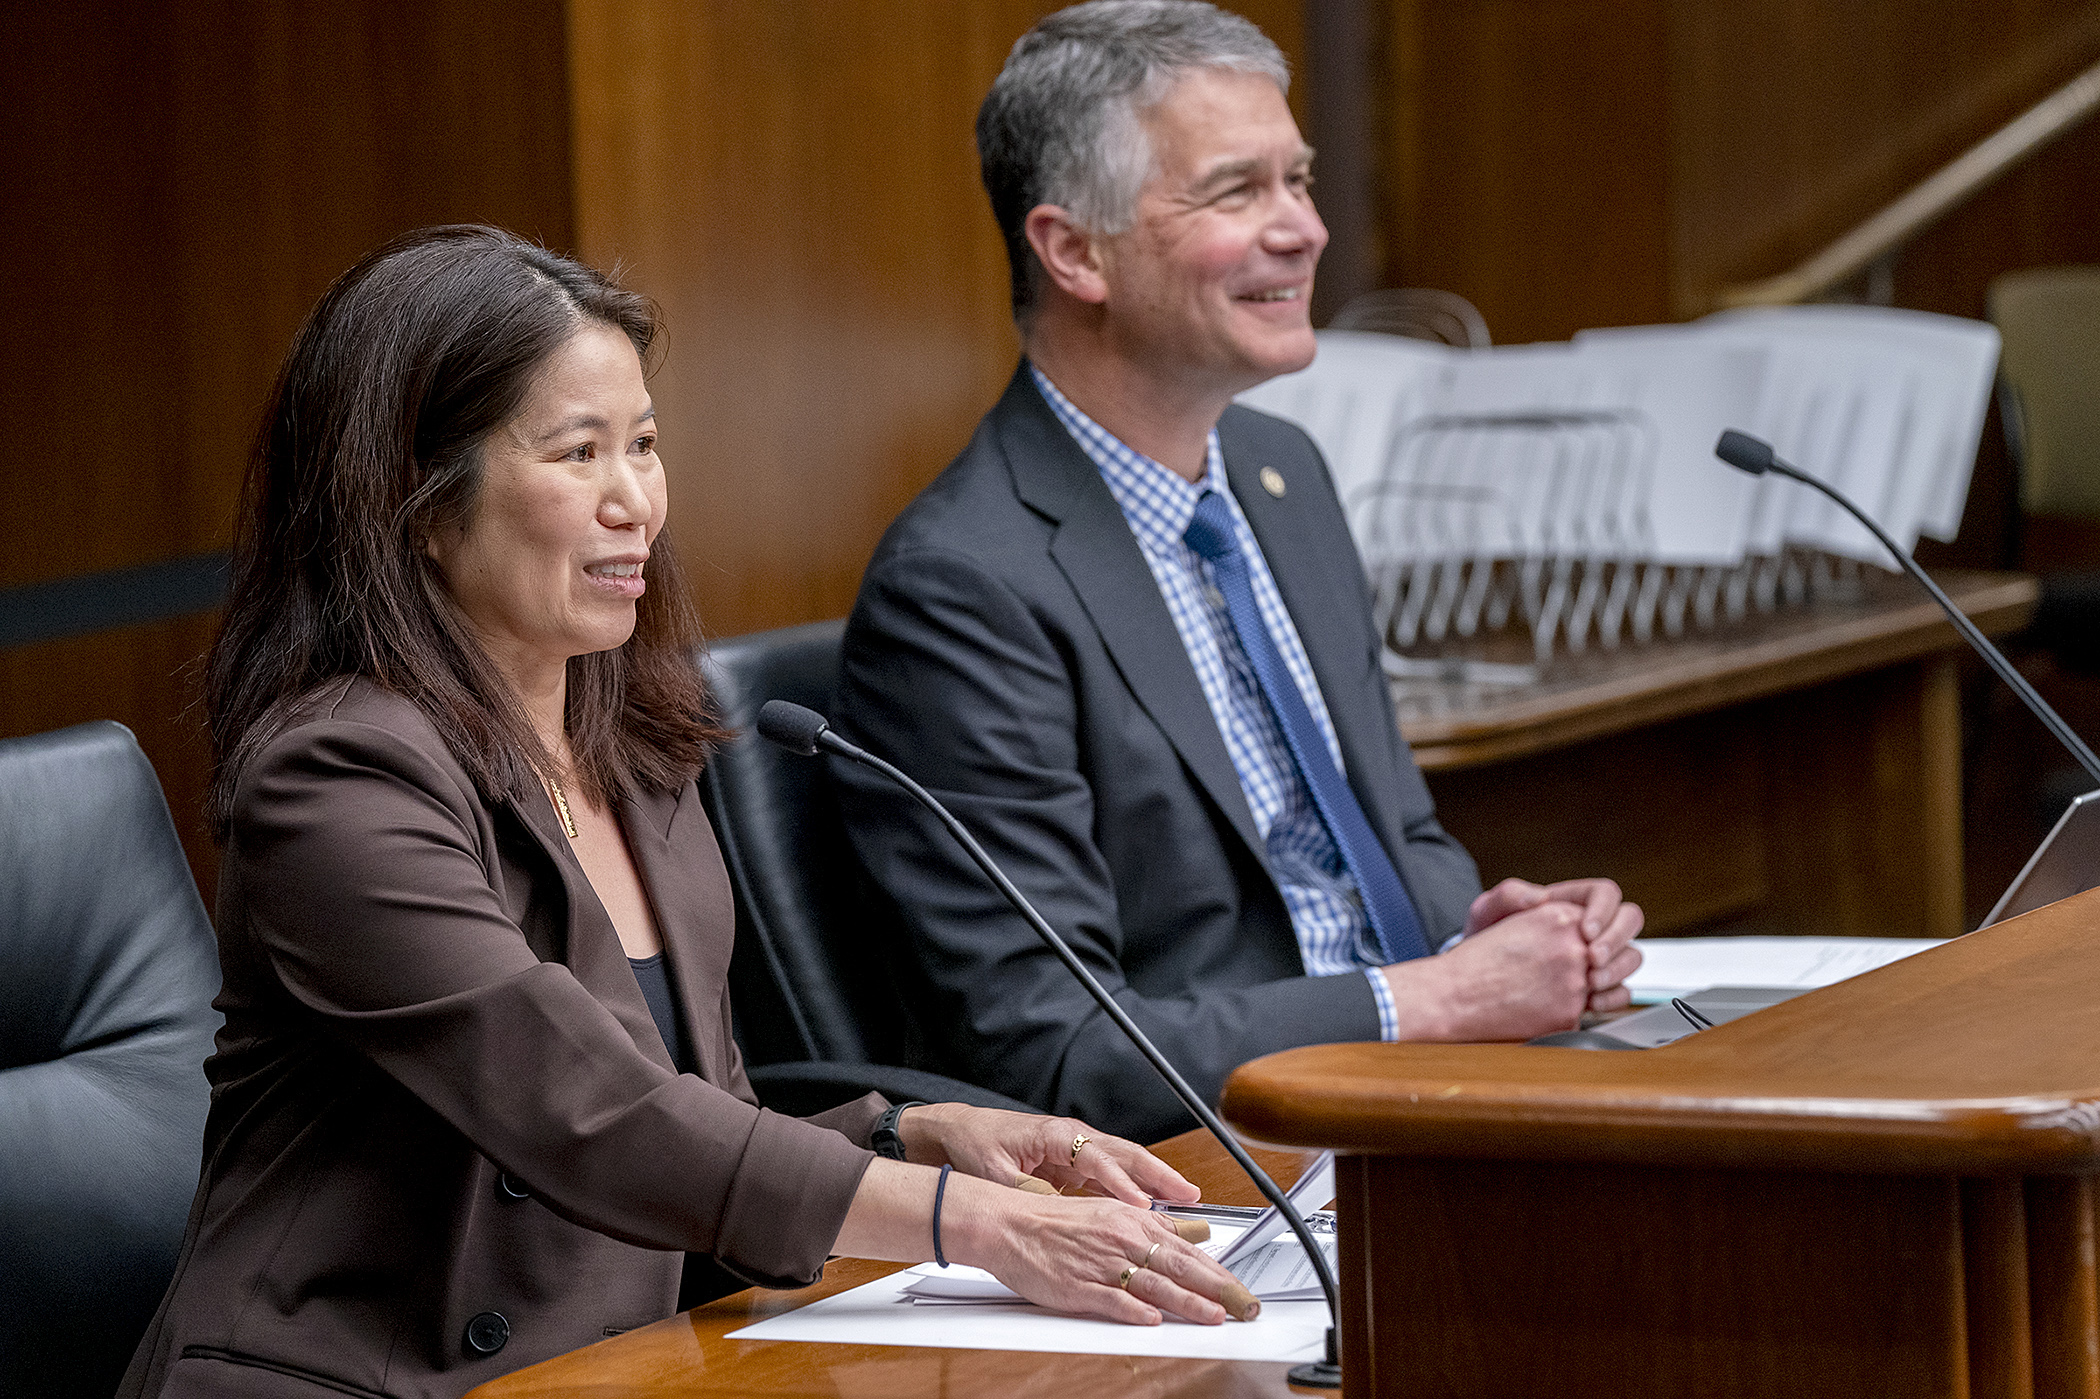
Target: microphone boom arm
(830, 741)
(1991, 654)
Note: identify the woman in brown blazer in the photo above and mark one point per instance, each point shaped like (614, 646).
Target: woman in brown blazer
(476, 1094)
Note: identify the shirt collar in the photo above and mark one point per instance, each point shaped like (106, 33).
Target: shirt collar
(1158, 502)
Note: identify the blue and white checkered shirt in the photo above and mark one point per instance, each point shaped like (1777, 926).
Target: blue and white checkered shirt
(1334, 937)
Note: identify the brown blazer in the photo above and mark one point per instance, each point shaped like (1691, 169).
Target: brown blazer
(439, 1099)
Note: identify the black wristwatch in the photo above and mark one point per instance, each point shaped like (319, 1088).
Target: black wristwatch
(884, 1138)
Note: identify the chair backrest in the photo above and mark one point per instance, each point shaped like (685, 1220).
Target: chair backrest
(2049, 321)
(811, 977)
(107, 971)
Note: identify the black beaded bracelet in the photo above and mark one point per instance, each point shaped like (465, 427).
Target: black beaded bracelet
(939, 1190)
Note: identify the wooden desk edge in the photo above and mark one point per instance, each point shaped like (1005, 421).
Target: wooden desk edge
(1970, 1058)
(2010, 1137)
(1996, 603)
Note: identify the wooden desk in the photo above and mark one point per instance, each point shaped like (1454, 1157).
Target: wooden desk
(1799, 773)
(1883, 1188)
(689, 1355)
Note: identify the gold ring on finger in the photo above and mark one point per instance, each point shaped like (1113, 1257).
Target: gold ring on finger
(1078, 1145)
(1148, 1255)
(1129, 1273)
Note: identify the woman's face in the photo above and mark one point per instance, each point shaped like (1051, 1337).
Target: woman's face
(549, 562)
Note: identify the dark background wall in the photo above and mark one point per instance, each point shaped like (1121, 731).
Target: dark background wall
(794, 181)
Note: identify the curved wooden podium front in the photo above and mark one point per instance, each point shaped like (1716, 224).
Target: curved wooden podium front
(1884, 1188)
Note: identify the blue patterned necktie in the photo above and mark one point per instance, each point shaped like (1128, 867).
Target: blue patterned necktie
(1386, 904)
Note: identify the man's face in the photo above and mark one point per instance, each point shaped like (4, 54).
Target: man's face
(1213, 281)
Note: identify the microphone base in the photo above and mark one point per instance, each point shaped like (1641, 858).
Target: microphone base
(1324, 1373)
(1316, 1374)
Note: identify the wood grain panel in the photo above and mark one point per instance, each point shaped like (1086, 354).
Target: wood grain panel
(1834, 811)
(797, 185)
(233, 159)
(1863, 791)
(187, 176)
(1491, 1278)
(2041, 216)
(1996, 1294)
(1675, 813)
(2064, 1280)
(1792, 122)
(1529, 160)
(1570, 163)
(1970, 1059)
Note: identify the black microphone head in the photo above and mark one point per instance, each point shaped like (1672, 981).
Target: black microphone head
(791, 726)
(1744, 452)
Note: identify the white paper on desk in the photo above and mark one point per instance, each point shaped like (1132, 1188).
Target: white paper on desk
(1311, 1191)
(1681, 966)
(1281, 1271)
(879, 1314)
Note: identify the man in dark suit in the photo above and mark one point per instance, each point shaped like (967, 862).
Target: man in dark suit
(1126, 634)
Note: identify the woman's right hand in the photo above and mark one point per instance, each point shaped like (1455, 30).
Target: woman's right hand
(1069, 1252)
(1066, 1252)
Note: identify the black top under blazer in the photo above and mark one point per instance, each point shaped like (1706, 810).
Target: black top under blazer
(1010, 648)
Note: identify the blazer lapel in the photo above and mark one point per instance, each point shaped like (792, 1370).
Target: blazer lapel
(1325, 606)
(595, 955)
(1100, 558)
(682, 877)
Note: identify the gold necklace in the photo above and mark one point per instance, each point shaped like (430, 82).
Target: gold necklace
(561, 805)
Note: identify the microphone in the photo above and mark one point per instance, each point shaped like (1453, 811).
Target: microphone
(806, 732)
(1755, 456)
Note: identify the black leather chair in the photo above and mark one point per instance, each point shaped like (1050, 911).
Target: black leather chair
(818, 1016)
(107, 970)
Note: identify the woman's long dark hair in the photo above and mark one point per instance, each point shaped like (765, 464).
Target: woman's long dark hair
(371, 445)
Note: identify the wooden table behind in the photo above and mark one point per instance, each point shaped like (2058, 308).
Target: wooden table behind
(1795, 773)
(690, 1355)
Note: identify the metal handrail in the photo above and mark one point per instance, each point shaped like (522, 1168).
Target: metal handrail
(1925, 203)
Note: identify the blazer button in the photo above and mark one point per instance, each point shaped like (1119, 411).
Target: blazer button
(510, 1187)
(488, 1333)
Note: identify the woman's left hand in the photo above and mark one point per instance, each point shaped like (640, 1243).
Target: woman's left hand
(1004, 1146)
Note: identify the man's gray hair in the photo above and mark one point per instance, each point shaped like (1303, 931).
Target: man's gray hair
(1062, 123)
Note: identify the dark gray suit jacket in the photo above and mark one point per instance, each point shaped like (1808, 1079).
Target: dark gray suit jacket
(1011, 649)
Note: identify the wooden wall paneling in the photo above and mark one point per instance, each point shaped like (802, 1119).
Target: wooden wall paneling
(231, 161)
(1529, 159)
(1569, 163)
(1792, 122)
(2042, 215)
(303, 138)
(797, 185)
(1343, 77)
(189, 177)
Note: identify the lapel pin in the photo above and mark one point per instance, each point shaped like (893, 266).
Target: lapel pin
(1272, 481)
